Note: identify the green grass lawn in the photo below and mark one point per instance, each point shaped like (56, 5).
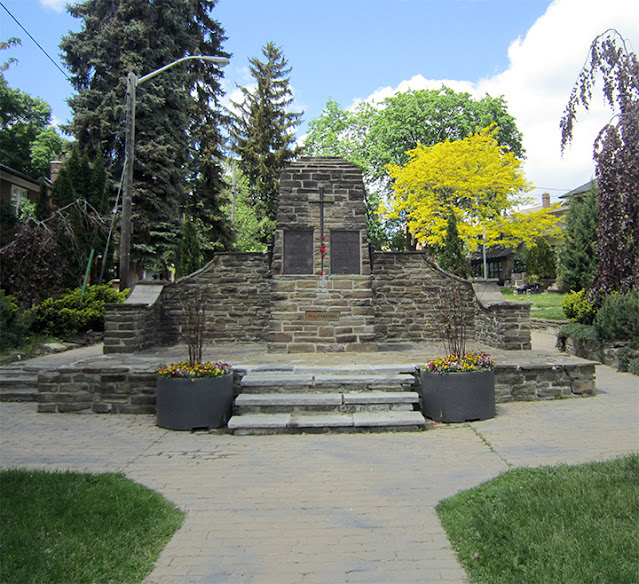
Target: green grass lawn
(559, 525)
(544, 305)
(79, 528)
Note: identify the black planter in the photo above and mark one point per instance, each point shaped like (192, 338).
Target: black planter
(184, 404)
(458, 397)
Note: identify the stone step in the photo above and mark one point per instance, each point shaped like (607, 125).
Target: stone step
(350, 402)
(303, 382)
(296, 423)
(18, 384)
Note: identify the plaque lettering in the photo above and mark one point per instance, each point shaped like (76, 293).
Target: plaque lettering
(298, 252)
(345, 252)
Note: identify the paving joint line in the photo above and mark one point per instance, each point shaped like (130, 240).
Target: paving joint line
(489, 445)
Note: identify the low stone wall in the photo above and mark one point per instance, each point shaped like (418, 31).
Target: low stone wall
(101, 390)
(125, 390)
(538, 382)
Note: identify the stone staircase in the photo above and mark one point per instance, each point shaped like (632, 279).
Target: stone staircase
(292, 400)
(18, 383)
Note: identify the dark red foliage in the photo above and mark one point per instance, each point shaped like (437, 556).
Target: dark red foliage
(32, 266)
(616, 155)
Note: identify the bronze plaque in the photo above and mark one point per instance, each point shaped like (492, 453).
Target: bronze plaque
(298, 252)
(345, 250)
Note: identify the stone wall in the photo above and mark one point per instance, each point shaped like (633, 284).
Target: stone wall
(504, 326)
(322, 314)
(410, 294)
(101, 390)
(134, 325)
(544, 381)
(237, 287)
(124, 390)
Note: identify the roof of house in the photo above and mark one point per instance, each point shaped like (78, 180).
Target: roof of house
(584, 188)
(24, 178)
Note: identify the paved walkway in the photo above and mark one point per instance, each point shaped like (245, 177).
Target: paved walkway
(322, 508)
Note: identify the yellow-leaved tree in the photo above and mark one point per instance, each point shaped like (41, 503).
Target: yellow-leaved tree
(477, 180)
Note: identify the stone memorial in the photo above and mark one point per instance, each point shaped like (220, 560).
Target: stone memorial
(320, 288)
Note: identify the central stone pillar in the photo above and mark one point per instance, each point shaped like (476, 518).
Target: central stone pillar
(321, 298)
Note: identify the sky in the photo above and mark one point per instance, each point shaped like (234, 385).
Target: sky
(529, 51)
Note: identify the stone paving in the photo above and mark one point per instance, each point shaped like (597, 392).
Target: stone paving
(321, 508)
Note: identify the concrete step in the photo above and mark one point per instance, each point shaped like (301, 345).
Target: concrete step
(18, 384)
(349, 402)
(297, 423)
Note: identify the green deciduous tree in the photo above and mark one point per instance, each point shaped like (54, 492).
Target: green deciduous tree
(616, 155)
(578, 255)
(23, 119)
(375, 137)
(177, 126)
(48, 145)
(263, 131)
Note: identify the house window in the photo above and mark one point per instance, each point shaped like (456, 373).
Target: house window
(494, 270)
(18, 195)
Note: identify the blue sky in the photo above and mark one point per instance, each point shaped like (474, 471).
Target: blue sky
(530, 51)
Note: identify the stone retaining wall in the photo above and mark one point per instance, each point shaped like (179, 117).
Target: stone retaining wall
(124, 390)
(237, 287)
(410, 297)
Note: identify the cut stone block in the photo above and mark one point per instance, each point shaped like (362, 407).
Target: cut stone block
(392, 418)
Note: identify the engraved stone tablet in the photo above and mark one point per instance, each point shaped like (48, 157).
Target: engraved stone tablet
(298, 252)
(344, 250)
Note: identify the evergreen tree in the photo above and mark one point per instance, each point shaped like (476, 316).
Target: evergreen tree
(578, 256)
(451, 255)
(177, 138)
(43, 206)
(79, 198)
(263, 130)
(541, 260)
(190, 256)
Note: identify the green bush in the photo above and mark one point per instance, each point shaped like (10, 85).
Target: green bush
(14, 322)
(74, 313)
(578, 308)
(618, 318)
(627, 358)
(582, 335)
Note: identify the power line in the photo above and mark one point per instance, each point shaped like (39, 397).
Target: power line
(36, 42)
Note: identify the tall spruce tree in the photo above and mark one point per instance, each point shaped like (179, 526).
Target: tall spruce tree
(451, 255)
(263, 129)
(578, 255)
(177, 136)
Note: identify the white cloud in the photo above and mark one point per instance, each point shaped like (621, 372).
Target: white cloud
(543, 68)
(57, 5)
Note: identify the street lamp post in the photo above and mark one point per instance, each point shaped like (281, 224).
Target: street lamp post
(132, 82)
